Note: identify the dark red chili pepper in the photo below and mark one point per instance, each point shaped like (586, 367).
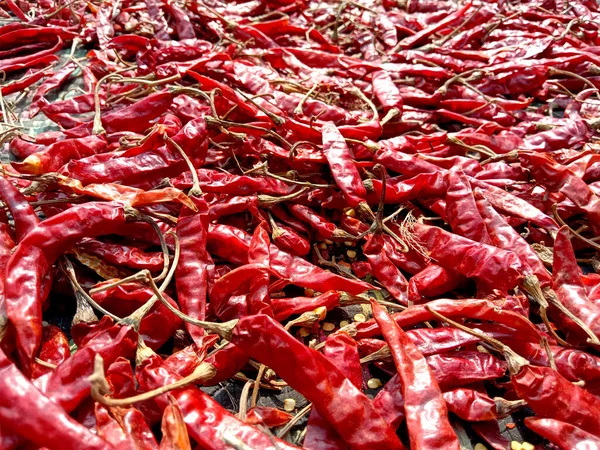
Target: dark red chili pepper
(425, 409)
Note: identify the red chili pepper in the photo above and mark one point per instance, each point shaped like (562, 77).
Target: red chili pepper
(56, 155)
(384, 269)
(568, 285)
(27, 412)
(472, 308)
(123, 255)
(206, 420)
(324, 228)
(21, 211)
(471, 405)
(489, 265)
(194, 265)
(285, 307)
(342, 167)
(321, 382)
(425, 409)
(297, 270)
(565, 435)
(269, 417)
(34, 256)
(341, 350)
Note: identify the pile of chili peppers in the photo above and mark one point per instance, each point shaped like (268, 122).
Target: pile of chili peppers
(391, 208)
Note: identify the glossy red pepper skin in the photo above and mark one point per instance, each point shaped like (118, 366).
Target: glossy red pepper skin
(565, 435)
(425, 409)
(23, 214)
(551, 395)
(472, 308)
(384, 269)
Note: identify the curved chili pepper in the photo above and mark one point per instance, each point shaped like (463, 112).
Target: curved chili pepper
(292, 268)
(21, 211)
(565, 435)
(26, 411)
(489, 265)
(384, 269)
(206, 420)
(34, 256)
(472, 309)
(568, 285)
(551, 395)
(341, 350)
(343, 170)
(321, 382)
(425, 409)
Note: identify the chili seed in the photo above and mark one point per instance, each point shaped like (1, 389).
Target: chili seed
(360, 318)
(514, 445)
(350, 212)
(328, 242)
(351, 254)
(328, 326)
(304, 332)
(344, 323)
(479, 446)
(309, 292)
(322, 246)
(349, 243)
(289, 404)
(374, 383)
(527, 446)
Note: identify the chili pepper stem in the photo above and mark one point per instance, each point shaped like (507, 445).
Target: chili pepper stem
(389, 116)
(507, 407)
(575, 233)
(515, 362)
(69, 271)
(299, 109)
(100, 387)
(195, 191)
(269, 200)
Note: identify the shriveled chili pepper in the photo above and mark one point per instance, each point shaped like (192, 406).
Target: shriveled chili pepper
(26, 411)
(342, 168)
(563, 434)
(34, 256)
(342, 351)
(567, 282)
(425, 409)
